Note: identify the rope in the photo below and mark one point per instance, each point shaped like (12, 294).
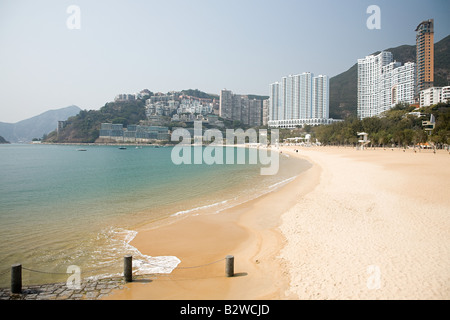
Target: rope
(60, 273)
(192, 267)
(45, 272)
(202, 265)
(4, 272)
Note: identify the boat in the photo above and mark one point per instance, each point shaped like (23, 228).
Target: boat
(122, 148)
(81, 150)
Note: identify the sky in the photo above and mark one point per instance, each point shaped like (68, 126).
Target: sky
(52, 58)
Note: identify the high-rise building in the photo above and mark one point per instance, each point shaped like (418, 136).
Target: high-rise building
(397, 84)
(303, 96)
(369, 74)
(382, 83)
(425, 55)
(255, 112)
(274, 101)
(240, 108)
(265, 112)
(298, 100)
(226, 104)
(320, 97)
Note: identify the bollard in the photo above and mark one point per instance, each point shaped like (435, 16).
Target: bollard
(128, 268)
(16, 278)
(229, 266)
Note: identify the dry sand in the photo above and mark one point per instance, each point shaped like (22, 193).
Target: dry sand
(370, 224)
(376, 227)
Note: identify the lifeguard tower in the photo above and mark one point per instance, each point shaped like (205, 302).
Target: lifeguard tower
(363, 139)
(429, 125)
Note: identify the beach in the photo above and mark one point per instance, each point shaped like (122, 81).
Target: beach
(358, 224)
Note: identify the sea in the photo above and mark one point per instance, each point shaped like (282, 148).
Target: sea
(69, 205)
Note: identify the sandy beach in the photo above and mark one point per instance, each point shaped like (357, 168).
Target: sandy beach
(370, 224)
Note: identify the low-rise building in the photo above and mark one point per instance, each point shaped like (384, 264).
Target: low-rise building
(125, 97)
(133, 133)
(430, 96)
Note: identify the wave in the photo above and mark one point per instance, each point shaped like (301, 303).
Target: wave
(119, 245)
(283, 182)
(199, 208)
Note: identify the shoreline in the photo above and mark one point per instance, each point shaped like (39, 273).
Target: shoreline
(296, 243)
(248, 231)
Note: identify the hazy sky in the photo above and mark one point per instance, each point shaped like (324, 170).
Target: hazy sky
(242, 45)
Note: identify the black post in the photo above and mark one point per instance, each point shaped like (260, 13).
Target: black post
(16, 278)
(128, 268)
(229, 266)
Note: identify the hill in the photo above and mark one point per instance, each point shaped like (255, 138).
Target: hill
(199, 94)
(343, 87)
(36, 127)
(3, 141)
(85, 126)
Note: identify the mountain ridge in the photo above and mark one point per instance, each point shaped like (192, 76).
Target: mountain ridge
(37, 126)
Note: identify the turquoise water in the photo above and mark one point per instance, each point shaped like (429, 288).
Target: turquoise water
(61, 207)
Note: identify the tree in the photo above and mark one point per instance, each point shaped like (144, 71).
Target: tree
(393, 126)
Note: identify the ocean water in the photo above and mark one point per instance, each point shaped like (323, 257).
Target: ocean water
(61, 207)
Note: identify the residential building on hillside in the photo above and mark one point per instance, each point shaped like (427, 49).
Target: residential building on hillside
(226, 104)
(446, 94)
(125, 97)
(382, 83)
(397, 84)
(369, 75)
(434, 95)
(240, 108)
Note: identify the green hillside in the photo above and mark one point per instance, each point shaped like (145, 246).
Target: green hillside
(397, 126)
(199, 94)
(84, 127)
(343, 87)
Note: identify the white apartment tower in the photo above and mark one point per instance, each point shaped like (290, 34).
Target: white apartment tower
(397, 84)
(382, 83)
(320, 96)
(369, 75)
(298, 100)
(304, 95)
